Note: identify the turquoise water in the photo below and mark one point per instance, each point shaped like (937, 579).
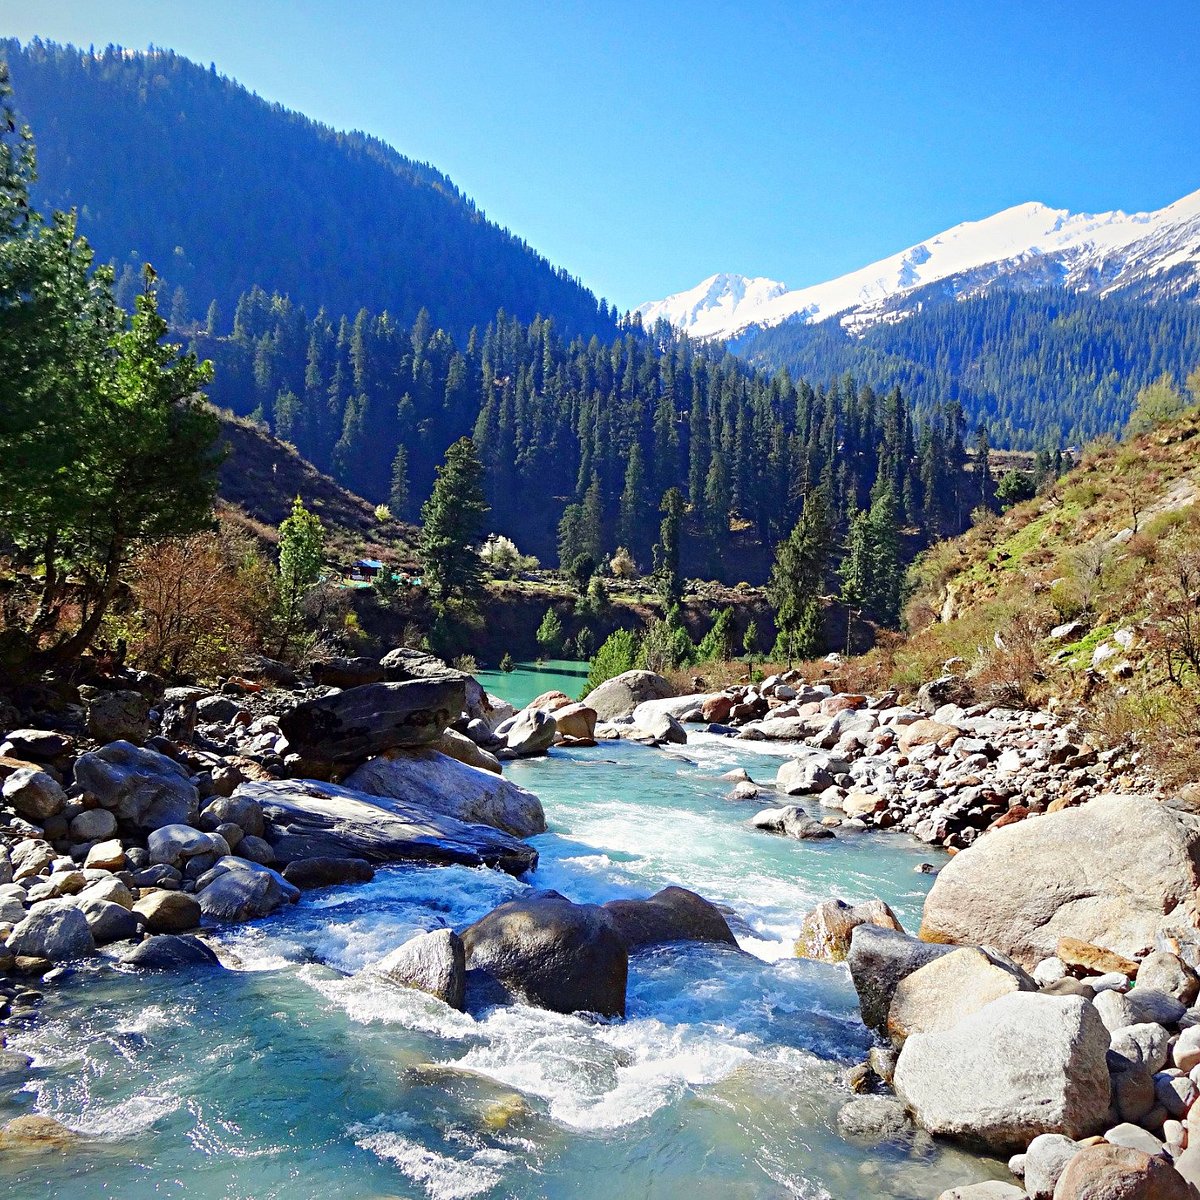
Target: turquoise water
(295, 1075)
(529, 680)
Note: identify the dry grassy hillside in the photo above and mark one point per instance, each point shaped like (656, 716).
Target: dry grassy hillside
(1086, 596)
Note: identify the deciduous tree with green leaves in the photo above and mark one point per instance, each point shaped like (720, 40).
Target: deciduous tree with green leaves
(301, 561)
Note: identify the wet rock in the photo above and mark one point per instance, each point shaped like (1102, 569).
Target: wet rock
(658, 728)
(576, 722)
(1025, 1064)
(350, 726)
(237, 890)
(445, 785)
(940, 994)
(804, 776)
(671, 915)
(458, 746)
(874, 1118)
(1107, 1172)
(991, 1189)
(547, 952)
(142, 787)
(792, 821)
(33, 794)
(434, 963)
(1111, 872)
(308, 819)
(826, 932)
(31, 1132)
(168, 952)
(307, 873)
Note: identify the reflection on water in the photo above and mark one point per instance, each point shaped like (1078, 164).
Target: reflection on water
(300, 1075)
(528, 680)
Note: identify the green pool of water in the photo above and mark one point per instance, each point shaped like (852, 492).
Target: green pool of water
(529, 680)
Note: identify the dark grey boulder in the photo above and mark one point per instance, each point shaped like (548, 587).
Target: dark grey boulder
(309, 873)
(403, 664)
(346, 672)
(142, 787)
(878, 960)
(234, 889)
(310, 819)
(671, 915)
(167, 952)
(350, 726)
(547, 952)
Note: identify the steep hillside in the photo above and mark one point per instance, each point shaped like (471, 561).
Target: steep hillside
(174, 164)
(1087, 596)
(261, 476)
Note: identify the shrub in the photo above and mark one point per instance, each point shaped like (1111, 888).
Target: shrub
(667, 644)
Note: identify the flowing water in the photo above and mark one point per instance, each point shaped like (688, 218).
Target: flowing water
(296, 1076)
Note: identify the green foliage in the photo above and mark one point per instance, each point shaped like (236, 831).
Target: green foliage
(550, 633)
(452, 522)
(718, 643)
(1015, 487)
(301, 561)
(506, 663)
(750, 645)
(871, 571)
(798, 578)
(666, 643)
(1157, 402)
(377, 229)
(618, 654)
(666, 552)
(585, 644)
(580, 571)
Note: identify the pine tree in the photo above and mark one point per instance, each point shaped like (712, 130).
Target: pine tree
(798, 578)
(452, 524)
(550, 633)
(666, 553)
(398, 493)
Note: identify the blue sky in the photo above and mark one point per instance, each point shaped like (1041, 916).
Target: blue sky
(646, 145)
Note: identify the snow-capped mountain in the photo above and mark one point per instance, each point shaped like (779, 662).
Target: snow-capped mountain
(1154, 254)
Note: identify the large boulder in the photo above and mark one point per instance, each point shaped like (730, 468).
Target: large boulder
(576, 722)
(116, 716)
(307, 873)
(346, 672)
(309, 819)
(33, 794)
(671, 915)
(168, 952)
(792, 821)
(142, 787)
(165, 911)
(445, 785)
(1108, 1172)
(1023, 1065)
(55, 930)
(404, 664)
(943, 992)
(826, 932)
(237, 890)
(175, 844)
(878, 959)
(619, 696)
(657, 728)
(432, 962)
(530, 733)
(547, 952)
(108, 921)
(682, 708)
(349, 726)
(804, 776)
(1114, 872)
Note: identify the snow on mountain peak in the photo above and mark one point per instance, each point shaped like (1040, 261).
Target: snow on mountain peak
(1083, 249)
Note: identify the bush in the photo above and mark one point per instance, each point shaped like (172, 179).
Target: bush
(667, 644)
(717, 644)
(618, 655)
(622, 565)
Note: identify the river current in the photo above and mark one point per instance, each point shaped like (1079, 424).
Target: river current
(294, 1075)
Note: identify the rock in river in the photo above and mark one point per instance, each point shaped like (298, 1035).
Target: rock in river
(445, 785)
(547, 952)
(878, 960)
(671, 915)
(430, 962)
(309, 819)
(349, 726)
(236, 890)
(619, 696)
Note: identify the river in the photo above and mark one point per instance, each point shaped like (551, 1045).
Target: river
(296, 1076)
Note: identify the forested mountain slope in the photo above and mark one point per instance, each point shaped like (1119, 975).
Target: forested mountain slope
(1041, 368)
(171, 163)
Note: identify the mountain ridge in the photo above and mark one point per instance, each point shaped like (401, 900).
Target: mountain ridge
(1153, 254)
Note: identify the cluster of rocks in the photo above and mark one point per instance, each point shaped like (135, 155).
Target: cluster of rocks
(134, 815)
(546, 951)
(1049, 1009)
(934, 768)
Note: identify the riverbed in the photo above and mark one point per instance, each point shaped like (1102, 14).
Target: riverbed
(295, 1075)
